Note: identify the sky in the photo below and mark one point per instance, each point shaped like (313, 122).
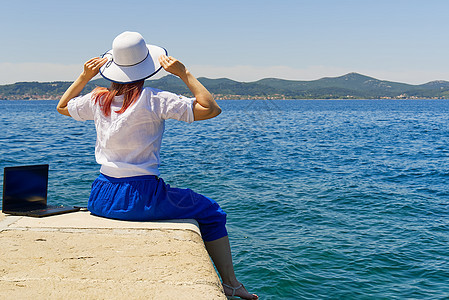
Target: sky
(244, 40)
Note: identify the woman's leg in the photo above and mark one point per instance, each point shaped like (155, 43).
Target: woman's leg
(186, 204)
(220, 252)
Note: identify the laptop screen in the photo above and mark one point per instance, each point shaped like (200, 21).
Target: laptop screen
(25, 187)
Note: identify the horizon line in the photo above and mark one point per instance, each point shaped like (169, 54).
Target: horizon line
(253, 81)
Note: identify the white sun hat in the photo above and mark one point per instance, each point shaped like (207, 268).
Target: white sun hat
(131, 59)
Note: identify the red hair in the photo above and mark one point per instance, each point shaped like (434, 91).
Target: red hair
(104, 96)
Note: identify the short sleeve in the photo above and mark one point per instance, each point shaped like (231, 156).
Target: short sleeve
(176, 107)
(81, 108)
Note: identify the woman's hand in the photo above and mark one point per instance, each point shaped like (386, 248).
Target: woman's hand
(172, 65)
(205, 107)
(92, 67)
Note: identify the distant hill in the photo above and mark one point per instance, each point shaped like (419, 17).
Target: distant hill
(349, 86)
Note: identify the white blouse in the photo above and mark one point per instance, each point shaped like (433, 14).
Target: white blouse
(129, 144)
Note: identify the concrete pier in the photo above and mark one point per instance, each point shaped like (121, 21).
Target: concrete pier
(81, 256)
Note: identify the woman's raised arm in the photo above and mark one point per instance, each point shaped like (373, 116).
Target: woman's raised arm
(205, 106)
(91, 68)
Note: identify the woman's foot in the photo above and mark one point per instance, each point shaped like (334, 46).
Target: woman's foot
(238, 291)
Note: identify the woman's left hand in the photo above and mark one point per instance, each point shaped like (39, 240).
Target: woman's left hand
(92, 67)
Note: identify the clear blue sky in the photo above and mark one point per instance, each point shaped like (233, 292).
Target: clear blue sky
(246, 40)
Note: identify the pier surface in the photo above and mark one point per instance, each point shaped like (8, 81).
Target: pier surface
(81, 256)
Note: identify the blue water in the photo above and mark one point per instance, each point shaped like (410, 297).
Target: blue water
(342, 199)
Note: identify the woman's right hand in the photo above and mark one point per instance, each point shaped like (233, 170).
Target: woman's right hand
(172, 65)
(205, 107)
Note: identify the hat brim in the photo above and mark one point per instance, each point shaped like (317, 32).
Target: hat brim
(128, 74)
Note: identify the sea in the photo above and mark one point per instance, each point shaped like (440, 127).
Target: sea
(326, 199)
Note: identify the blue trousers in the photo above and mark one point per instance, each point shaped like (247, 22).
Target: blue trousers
(146, 198)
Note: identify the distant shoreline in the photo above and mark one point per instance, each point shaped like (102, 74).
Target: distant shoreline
(346, 87)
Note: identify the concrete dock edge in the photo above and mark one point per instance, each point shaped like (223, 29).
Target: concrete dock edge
(81, 256)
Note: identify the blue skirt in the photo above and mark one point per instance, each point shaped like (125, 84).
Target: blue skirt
(146, 198)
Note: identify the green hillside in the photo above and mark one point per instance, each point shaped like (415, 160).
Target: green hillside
(349, 86)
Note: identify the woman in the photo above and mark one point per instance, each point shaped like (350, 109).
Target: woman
(129, 121)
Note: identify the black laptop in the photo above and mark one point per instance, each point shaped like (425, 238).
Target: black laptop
(25, 192)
